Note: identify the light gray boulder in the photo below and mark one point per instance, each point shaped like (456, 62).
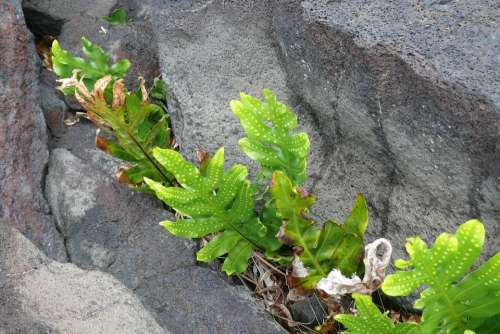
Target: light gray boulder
(39, 295)
(110, 228)
(390, 112)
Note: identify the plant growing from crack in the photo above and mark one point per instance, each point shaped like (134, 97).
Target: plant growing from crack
(207, 198)
(130, 124)
(270, 215)
(451, 303)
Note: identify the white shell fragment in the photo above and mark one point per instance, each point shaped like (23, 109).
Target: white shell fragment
(336, 284)
(298, 269)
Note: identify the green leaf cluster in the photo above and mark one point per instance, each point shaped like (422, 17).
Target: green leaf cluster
(452, 303)
(94, 67)
(131, 123)
(134, 129)
(369, 319)
(213, 201)
(332, 246)
(210, 199)
(270, 141)
(117, 17)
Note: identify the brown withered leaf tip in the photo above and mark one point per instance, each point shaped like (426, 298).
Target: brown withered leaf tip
(121, 175)
(144, 92)
(44, 50)
(282, 234)
(201, 155)
(101, 143)
(118, 94)
(302, 192)
(174, 144)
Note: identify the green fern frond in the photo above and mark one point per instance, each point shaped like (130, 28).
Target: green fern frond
(132, 122)
(118, 17)
(138, 127)
(96, 66)
(333, 246)
(448, 307)
(369, 319)
(214, 201)
(270, 141)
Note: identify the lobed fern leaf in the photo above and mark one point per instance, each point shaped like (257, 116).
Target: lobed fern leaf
(369, 319)
(213, 201)
(132, 125)
(94, 68)
(333, 246)
(448, 307)
(268, 125)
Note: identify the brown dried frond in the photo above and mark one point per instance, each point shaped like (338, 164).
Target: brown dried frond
(118, 94)
(99, 88)
(144, 92)
(202, 155)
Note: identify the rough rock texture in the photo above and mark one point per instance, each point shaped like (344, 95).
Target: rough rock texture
(383, 119)
(208, 54)
(400, 100)
(108, 227)
(23, 136)
(411, 113)
(39, 295)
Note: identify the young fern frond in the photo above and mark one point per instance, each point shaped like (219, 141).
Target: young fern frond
(94, 68)
(131, 125)
(270, 141)
(369, 319)
(213, 201)
(323, 249)
(473, 303)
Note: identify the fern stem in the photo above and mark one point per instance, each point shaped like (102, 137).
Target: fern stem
(307, 251)
(452, 310)
(123, 125)
(151, 159)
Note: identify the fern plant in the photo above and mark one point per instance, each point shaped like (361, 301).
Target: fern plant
(270, 141)
(131, 123)
(369, 319)
(209, 199)
(214, 201)
(450, 303)
(89, 71)
(332, 246)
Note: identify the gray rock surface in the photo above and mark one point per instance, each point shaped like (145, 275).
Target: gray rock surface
(23, 136)
(39, 295)
(208, 54)
(407, 122)
(108, 227)
(400, 99)
(421, 141)
(105, 227)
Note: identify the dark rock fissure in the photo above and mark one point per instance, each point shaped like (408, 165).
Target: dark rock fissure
(41, 24)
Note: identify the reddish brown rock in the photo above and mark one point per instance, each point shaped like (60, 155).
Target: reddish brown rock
(23, 136)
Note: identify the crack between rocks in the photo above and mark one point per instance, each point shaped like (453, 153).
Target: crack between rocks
(50, 212)
(392, 177)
